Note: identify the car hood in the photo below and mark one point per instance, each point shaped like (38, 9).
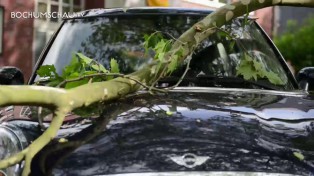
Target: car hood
(189, 130)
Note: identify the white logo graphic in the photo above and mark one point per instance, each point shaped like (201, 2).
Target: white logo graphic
(189, 160)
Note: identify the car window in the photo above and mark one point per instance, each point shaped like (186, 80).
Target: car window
(121, 37)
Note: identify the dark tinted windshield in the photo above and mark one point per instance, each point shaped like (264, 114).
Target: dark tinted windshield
(121, 37)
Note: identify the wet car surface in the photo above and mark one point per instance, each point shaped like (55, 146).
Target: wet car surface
(211, 130)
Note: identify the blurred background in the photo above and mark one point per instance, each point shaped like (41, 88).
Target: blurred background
(23, 39)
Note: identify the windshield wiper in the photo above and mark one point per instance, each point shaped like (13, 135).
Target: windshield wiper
(214, 81)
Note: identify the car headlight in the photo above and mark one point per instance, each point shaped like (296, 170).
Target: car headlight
(12, 141)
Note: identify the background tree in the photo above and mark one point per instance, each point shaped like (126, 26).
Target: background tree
(297, 44)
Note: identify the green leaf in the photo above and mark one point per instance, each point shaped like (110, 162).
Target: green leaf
(160, 46)
(153, 69)
(251, 69)
(160, 56)
(180, 51)
(298, 155)
(90, 72)
(114, 66)
(222, 35)
(74, 66)
(47, 71)
(168, 45)
(232, 43)
(169, 113)
(174, 60)
(74, 75)
(246, 70)
(274, 78)
(92, 63)
(55, 82)
(62, 140)
(152, 40)
(71, 85)
(173, 64)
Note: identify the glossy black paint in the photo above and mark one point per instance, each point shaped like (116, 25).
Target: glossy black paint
(11, 76)
(306, 76)
(238, 131)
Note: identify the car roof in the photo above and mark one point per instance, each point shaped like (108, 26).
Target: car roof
(140, 10)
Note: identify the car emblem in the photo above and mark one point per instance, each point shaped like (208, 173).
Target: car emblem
(189, 160)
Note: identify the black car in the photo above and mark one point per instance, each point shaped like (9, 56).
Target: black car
(214, 123)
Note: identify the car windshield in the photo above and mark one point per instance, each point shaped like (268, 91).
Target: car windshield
(214, 63)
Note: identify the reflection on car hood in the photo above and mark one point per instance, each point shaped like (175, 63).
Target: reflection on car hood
(204, 174)
(208, 130)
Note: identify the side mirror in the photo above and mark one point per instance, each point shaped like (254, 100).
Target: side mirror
(305, 77)
(11, 76)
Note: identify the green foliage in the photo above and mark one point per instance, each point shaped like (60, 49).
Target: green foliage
(174, 60)
(299, 155)
(49, 71)
(161, 46)
(251, 69)
(297, 44)
(87, 62)
(114, 66)
(152, 40)
(79, 69)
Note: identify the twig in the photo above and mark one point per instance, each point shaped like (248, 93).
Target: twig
(40, 119)
(145, 86)
(189, 58)
(159, 77)
(227, 33)
(171, 36)
(209, 29)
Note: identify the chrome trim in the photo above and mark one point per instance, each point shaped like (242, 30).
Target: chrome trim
(202, 174)
(306, 88)
(17, 133)
(298, 93)
(189, 160)
(21, 142)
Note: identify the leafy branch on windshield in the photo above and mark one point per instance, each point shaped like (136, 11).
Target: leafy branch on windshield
(63, 101)
(161, 48)
(252, 69)
(81, 70)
